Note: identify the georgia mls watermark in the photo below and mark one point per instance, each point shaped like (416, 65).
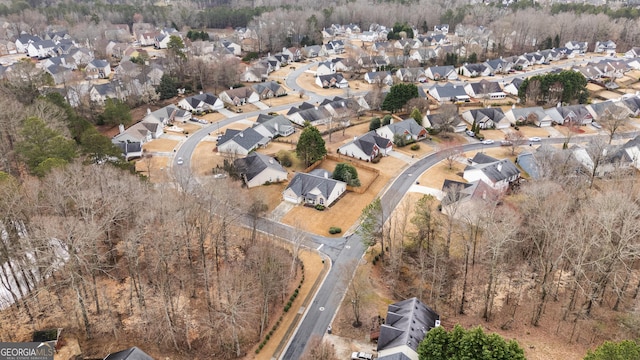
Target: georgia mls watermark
(26, 351)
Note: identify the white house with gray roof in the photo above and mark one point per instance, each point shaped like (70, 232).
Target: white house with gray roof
(486, 118)
(315, 115)
(448, 92)
(366, 147)
(201, 102)
(409, 129)
(535, 115)
(257, 169)
(98, 69)
(311, 189)
(405, 326)
(437, 73)
(485, 89)
(273, 126)
(241, 142)
(496, 173)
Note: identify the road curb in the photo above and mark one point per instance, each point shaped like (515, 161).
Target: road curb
(295, 325)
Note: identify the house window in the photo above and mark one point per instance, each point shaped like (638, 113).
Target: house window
(321, 201)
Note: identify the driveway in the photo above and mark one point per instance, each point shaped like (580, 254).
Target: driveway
(227, 113)
(260, 105)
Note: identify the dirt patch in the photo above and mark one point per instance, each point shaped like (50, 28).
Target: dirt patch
(160, 145)
(565, 131)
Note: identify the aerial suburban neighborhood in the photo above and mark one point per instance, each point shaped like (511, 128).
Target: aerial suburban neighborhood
(355, 180)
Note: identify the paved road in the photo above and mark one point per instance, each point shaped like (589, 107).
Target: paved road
(343, 250)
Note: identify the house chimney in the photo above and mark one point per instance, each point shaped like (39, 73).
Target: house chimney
(200, 92)
(326, 175)
(121, 128)
(148, 111)
(499, 167)
(428, 112)
(241, 134)
(355, 138)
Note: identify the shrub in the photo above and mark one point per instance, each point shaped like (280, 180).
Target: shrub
(261, 346)
(335, 230)
(267, 337)
(415, 147)
(286, 308)
(319, 207)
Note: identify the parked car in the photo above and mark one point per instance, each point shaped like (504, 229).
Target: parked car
(505, 143)
(180, 161)
(535, 139)
(470, 133)
(487, 142)
(361, 356)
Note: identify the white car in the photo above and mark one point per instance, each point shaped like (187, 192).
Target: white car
(180, 161)
(487, 142)
(361, 356)
(535, 139)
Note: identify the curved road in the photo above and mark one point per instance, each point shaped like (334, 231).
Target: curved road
(341, 250)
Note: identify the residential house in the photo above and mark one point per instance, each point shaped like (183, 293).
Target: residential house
(294, 53)
(254, 73)
(41, 49)
(486, 118)
(632, 53)
(366, 147)
(130, 150)
(325, 68)
(342, 109)
(82, 56)
(340, 64)
(528, 163)
(632, 103)
(498, 174)
(409, 131)
(241, 142)
(133, 353)
(239, 96)
(332, 81)
(441, 28)
(379, 77)
(411, 75)
(499, 66)
(161, 41)
(608, 108)
(60, 74)
(234, 48)
(485, 89)
(23, 41)
(475, 70)
(468, 198)
(576, 114)
(148, 38)
(257, 169)
(449, 92)
(311, 51)
(405, 326)
(98, 69)
(201, 103)
(311, 189)
(315, 115)
(452, 122)
(369, 36)
(438, 73)
(530, 115)
(168, 114)
(422, 55)
(273, 126)
(99, 93)
(513, 87)
(632, 151)
(607, 47)
(269, 89)
(606, 160)
(577, 47)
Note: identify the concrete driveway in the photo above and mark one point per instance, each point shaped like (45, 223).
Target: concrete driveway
(227, 113)
(260, 105)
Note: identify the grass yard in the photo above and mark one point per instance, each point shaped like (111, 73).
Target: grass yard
(344, 212)
(531, 131)
(212, 117)
(160, 145)
(156, 168)
(205, 158)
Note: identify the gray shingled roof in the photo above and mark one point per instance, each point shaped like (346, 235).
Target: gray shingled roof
(449, 90)
(497, 171)
(368, 140)
(247, 138)
(302, 184)
(409, 125)
(133, 353)
(407, 323)
(255, 163)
